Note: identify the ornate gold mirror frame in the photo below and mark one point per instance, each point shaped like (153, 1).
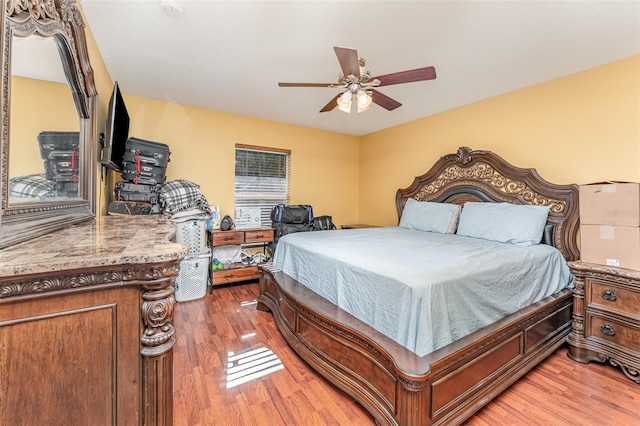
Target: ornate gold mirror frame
(62, 21)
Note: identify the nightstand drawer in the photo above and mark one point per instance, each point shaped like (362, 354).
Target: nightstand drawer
(227, 237)
(258, 236)
(624, 335)
(224, 276)
(612, 297)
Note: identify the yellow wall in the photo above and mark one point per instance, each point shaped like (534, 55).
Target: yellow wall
(324, 165)
(54, 110)
(580, 128)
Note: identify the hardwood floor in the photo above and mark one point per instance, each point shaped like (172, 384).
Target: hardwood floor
(232, 367)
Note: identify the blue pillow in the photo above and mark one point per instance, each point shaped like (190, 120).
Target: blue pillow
(503, 222)
(431, 217)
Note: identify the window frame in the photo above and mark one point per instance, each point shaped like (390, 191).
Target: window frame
(264, 198)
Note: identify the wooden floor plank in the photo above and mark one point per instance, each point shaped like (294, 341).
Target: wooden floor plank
(557, 392)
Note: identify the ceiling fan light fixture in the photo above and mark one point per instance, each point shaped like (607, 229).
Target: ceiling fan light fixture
(364, 99)
(344, 102)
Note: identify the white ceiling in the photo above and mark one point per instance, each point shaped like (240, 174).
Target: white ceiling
(230, 55)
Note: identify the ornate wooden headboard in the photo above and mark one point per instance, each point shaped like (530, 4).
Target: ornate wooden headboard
(484, 176)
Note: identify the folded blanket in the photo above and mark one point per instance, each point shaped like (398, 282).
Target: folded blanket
(179, 195)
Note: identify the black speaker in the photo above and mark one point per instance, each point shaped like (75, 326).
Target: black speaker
(226, 223)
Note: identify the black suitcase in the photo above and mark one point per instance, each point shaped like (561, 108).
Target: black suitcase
(63, 168)
(64, 177)
(138, 196)
(156, 150)
(57, 141)
(132, 187)
(136, 157)
(129, 208)
(126, 191)
(62, 161)
(142, 179)
(145, 170)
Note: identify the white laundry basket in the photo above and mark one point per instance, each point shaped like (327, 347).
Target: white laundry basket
(192, 233)
(191, 283)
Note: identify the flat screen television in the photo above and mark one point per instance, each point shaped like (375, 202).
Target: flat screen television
(116, 131)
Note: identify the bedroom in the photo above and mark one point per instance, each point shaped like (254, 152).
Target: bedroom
(589, 120)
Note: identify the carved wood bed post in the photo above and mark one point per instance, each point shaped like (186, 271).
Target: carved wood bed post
(413, 402)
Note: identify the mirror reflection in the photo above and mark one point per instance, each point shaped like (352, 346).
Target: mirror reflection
(44, 127)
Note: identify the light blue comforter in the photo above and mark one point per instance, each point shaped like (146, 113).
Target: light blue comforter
(423, 290)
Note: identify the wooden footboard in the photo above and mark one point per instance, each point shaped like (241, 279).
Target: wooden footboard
(395, 385)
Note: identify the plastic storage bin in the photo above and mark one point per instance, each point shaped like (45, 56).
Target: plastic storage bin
(191, 283)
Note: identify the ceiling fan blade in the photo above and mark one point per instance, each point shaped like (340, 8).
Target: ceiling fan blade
(384, 101)
(419, 74)
(332, 104)
(349, 62)
(305, 84)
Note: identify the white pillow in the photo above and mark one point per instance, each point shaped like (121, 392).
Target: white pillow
(431, 217)
(503, 222)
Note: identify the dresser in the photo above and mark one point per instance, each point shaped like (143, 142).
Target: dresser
(606, 317)
(256, 237)
(86, 324)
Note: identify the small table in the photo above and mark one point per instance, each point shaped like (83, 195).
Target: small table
(358, 226)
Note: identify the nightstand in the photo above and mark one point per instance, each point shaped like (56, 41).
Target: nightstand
(606, 317)
(358, 226)
(241, 237)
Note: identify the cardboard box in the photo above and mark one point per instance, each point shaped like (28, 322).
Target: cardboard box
(612, 203)
(610, 245)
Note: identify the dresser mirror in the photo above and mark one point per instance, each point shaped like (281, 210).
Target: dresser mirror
(48, 147)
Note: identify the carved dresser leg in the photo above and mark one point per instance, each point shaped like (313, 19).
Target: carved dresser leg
(157, 355)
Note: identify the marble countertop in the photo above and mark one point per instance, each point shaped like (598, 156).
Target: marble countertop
(109, 240)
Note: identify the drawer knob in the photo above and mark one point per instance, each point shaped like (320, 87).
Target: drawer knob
(607, 329)
(609, 295)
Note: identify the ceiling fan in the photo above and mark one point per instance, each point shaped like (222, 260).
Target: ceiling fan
(360, 85)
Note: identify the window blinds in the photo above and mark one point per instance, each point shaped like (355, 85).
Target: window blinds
(261, 179)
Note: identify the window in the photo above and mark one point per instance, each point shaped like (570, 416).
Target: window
(262, 178)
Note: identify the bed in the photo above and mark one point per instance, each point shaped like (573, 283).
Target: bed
(403, 381)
